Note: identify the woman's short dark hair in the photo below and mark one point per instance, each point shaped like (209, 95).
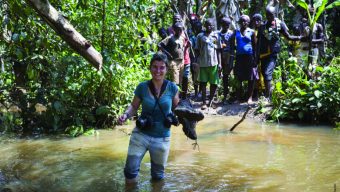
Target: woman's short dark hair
(159, 56)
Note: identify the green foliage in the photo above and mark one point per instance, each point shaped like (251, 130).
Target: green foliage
(337, 126)
(306, 99)
(41, 70)
(319, 6)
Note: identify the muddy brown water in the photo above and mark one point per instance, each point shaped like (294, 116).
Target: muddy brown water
(256, 157)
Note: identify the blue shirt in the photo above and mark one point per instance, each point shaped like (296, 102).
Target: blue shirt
(243, 43)
(150, 107)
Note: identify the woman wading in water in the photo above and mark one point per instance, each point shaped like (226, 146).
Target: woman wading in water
(152, 132)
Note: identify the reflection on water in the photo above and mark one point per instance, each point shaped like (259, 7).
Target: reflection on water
(256, 157)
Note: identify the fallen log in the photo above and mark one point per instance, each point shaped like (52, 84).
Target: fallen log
(66, 31)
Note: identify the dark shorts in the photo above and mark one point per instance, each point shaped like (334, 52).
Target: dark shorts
(267, 67)
(227, 64)
(244, 69)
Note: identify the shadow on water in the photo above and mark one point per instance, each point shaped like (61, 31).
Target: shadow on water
(256, 157)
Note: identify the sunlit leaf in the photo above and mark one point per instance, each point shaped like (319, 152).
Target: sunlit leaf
(317, 93)
(333, 5)
(319, 105)
(89, 132)
(296, 100)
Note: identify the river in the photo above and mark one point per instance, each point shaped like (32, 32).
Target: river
(255, 157)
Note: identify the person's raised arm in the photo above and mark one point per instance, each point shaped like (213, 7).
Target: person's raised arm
(130, 111)
(285, 33)
(162, 45)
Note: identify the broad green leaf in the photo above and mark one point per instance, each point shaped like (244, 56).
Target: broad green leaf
(296, 100)
(302, 93)
(334, 4)
(304, 5)
(278, 85)
(319, 69)
(319, 11)
(317, 93)
(318, 3)
(319, 105)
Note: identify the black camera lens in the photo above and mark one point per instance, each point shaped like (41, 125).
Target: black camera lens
(144, 122)
(141, 123)
(170, 119)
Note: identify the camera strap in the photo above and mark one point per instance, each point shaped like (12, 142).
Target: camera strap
(153, 91)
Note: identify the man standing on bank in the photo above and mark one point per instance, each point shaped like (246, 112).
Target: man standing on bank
(269, 43)
(227, 55)
(208, 47)
(245, 68)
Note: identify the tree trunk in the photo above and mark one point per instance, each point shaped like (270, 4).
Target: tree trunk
(103, 26)
(2, 65)
(66, 31)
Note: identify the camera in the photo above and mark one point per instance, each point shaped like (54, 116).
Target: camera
(170, 119)
(144, 122)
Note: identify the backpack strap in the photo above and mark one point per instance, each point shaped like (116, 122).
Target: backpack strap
(153, 91)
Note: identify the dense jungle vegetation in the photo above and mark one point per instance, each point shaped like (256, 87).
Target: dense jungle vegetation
(47, 88)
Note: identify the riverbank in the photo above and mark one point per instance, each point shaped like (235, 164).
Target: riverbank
(235, 109)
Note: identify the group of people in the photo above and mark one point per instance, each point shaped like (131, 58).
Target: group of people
(251, 53)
